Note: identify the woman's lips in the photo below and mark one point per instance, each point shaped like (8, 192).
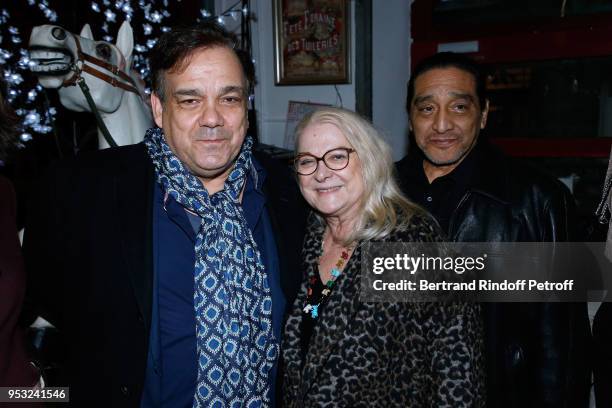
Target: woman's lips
(328, 189)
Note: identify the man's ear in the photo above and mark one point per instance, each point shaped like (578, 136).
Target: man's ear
(484, 115)
(158, 109)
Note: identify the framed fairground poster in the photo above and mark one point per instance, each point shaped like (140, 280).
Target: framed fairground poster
(311, 41)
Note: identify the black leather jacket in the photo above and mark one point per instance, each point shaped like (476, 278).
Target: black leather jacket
(522, 204)
(537, 353)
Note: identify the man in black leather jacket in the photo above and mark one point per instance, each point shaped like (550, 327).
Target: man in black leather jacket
(537, 353)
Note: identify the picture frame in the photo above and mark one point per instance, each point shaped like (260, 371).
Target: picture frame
(296, 111)
(311, 42)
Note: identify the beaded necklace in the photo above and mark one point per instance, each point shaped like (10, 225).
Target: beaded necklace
(313, 309)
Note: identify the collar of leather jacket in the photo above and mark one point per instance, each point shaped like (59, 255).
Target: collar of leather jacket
(491, 177)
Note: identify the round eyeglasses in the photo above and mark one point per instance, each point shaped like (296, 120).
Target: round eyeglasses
(335, 159)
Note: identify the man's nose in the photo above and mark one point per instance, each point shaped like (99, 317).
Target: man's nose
(210, 116)
(442, 122)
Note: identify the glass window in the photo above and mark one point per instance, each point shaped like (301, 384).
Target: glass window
(551, 99)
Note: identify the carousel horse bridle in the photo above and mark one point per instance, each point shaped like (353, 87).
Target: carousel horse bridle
(118, 79)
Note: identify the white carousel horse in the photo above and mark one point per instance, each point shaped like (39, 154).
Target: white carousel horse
(64, 60)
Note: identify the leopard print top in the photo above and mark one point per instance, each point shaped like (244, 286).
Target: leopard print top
(382, 354)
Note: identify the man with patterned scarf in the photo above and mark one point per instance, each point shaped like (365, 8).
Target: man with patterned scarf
(166, 253)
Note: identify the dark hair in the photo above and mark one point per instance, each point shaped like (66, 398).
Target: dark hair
(175, 47)
(449, 60)
(8, 124)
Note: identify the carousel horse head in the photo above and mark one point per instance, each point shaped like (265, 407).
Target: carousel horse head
(64, 59)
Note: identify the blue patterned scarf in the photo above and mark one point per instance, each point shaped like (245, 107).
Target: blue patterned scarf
(235, 344)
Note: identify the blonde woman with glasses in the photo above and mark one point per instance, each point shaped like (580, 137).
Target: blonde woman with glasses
(338, 350)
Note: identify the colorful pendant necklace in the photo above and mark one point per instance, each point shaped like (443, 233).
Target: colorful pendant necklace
(311, 308)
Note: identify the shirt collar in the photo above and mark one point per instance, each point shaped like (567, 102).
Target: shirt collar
(464, 174)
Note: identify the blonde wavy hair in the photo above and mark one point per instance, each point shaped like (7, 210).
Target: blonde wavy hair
(385, 208)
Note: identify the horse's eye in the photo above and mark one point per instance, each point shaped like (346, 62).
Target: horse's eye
(58, 33)
(104, 51)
